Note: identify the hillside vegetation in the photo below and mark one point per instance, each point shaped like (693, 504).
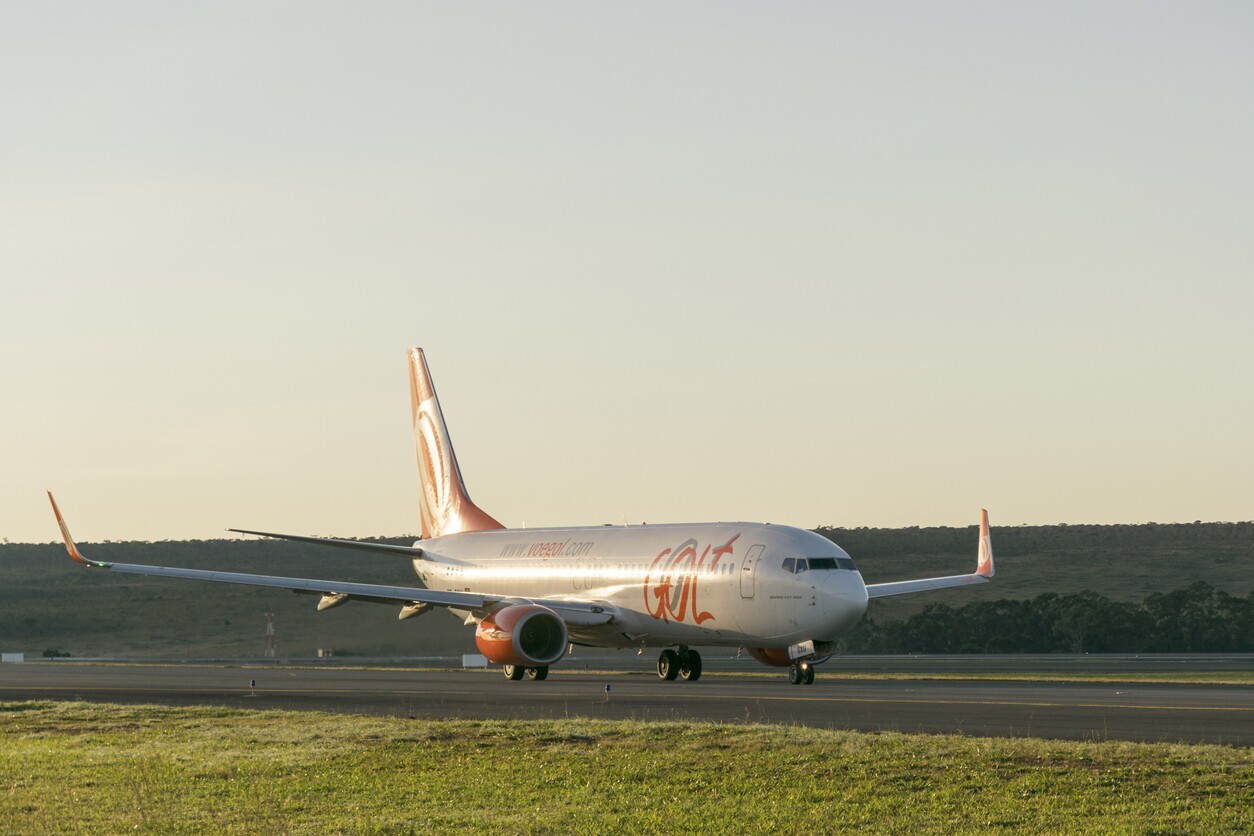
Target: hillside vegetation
(49, 602)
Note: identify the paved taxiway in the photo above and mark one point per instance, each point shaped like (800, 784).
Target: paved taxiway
(1075, 710)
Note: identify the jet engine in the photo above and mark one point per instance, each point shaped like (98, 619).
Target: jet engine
(527, 635)
(776, 657)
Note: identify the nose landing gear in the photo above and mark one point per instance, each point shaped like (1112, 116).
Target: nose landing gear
(682, 663)
(801, 672)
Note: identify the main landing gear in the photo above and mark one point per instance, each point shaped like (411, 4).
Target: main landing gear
(517, 672)
(681, 663)
(801, 673)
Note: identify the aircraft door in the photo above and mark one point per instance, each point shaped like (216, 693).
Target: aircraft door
(749, 570)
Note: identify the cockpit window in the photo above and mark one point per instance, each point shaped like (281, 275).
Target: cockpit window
(818, 563)
(796, 565)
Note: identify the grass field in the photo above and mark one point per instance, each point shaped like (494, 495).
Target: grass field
(75, 767)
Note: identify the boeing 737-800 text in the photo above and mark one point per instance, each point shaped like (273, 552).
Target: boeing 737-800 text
(783, 593)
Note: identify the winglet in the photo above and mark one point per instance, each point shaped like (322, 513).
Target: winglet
(984, 567)
(65, 533)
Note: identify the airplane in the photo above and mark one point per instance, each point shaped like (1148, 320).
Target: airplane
(784, 594)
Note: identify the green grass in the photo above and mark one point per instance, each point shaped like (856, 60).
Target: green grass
(75, 767)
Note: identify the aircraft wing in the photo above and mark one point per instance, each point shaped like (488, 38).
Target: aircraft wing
(983, 572)
(574, 613)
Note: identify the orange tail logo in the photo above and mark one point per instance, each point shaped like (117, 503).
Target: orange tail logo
(445, 506)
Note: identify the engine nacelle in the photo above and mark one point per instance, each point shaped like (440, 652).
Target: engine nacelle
(776, 657)
(527, 635)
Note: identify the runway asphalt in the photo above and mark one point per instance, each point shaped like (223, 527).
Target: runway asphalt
(1071, 710)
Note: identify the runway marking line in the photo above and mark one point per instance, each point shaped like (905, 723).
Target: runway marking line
(1031, 703)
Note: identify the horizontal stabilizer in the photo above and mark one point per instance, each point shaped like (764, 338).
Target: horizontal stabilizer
(378, 548)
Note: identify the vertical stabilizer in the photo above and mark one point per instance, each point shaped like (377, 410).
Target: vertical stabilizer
(445, 506)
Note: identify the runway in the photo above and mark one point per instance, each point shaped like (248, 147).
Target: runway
(1071, 710)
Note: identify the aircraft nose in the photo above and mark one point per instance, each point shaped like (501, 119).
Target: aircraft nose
(844, 599)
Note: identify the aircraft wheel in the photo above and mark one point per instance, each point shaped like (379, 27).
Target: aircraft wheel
(514, 672)
(690, 669)
(540, 673)
(795, 674)
(808, 675)
(668, 664)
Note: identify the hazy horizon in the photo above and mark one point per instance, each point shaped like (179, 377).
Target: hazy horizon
(818, 265)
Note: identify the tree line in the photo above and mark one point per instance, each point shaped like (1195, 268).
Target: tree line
(1196, 619)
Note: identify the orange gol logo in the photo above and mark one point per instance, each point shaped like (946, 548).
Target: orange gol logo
(675, 590)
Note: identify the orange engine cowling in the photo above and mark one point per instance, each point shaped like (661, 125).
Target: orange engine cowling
(528, 635)
(776, 657)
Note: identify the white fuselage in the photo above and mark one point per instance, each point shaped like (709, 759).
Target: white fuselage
(706, 584)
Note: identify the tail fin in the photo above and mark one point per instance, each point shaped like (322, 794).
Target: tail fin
(445, 506)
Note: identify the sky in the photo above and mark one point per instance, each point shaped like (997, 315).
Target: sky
(817, 264)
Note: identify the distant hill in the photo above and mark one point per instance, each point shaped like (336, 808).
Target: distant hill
(49, 603)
